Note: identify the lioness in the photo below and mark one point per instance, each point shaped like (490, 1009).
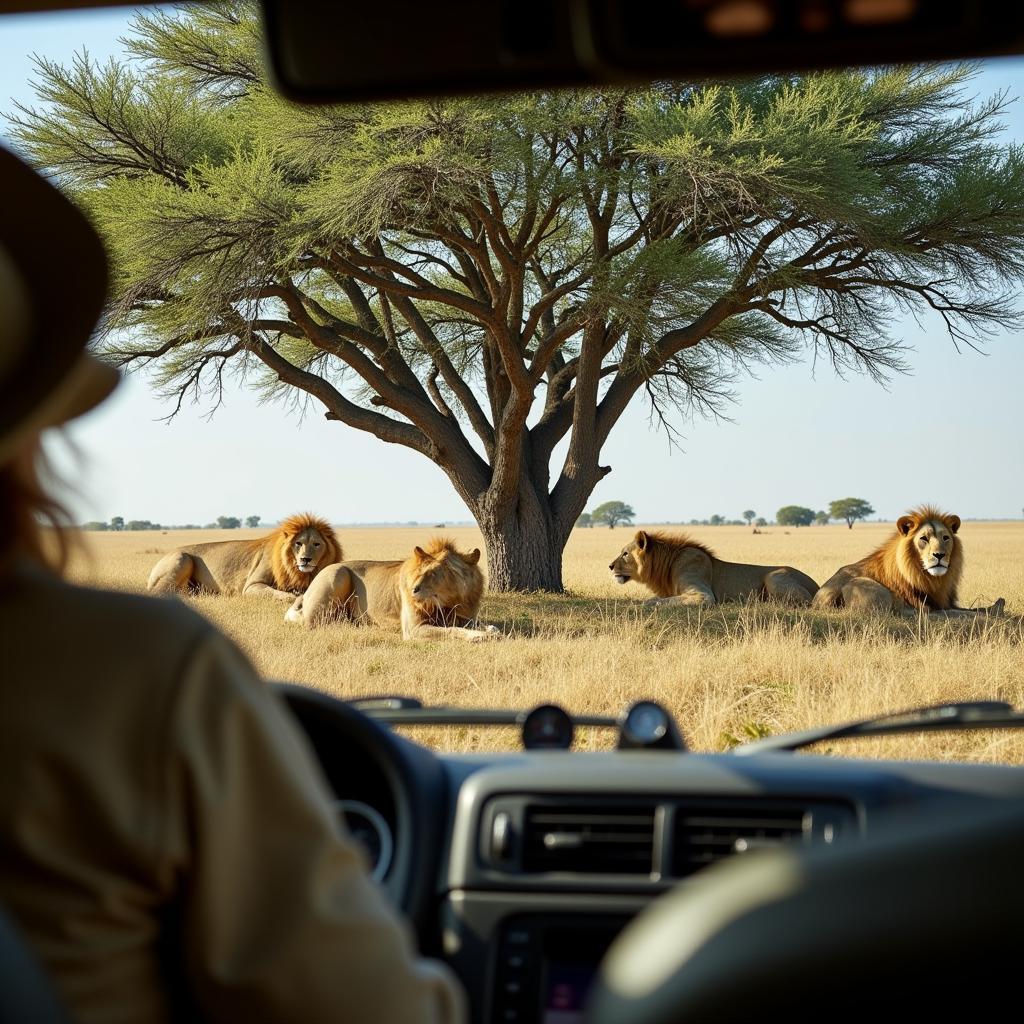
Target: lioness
(280, 565)
(917, 568)
(680, 570)
(436, 591)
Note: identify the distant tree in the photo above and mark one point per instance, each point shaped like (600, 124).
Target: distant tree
(716, 520)
(760, 521)
(142, 524)
(585, 520)
(252, 522)
(794, 515)
(821, 518)
(117, 523)
(613, 513)
(93, 525)
(850, 509)
(228, 522)
(749, 515)
(211, 526)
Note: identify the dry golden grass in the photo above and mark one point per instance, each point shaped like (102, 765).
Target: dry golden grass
(727, 672)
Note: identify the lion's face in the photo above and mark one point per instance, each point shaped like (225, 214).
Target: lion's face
(629, 565)
(932, 541)
(308, 548)
(443, 580)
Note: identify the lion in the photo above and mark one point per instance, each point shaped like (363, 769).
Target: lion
(435, 592)
(680, 570)
(280, 565)
(917, 569)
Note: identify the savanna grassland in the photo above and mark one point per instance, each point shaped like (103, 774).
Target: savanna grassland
(728, 673)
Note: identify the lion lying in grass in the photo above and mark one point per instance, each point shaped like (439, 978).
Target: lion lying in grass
(679, 570)
(435, 592)
(917, 569)
(281, 564)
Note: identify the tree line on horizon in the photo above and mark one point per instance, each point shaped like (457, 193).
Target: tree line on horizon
(611, 513)
(118, 524)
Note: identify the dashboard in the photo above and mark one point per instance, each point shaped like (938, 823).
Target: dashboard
(520, 869)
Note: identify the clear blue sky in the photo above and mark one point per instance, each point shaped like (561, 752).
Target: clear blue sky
(952, 432)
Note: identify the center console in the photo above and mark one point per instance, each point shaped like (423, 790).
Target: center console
(545, 966)
(531, 958)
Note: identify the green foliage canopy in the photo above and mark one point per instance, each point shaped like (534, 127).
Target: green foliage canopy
(794, 515)
(613, 513)
(850, 509)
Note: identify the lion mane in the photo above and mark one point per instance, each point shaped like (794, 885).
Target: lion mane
(662, 555)
(676, 568)
(897, 566)
(440, 585)
(436, 591)
(280, 564)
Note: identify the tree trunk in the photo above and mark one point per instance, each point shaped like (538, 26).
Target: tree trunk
(523, 552)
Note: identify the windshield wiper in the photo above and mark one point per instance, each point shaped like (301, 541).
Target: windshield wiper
(411, 711)
(975, 714)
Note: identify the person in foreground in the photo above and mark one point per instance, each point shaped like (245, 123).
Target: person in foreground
(167, 846)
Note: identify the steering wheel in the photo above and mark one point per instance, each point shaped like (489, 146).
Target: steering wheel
(405, 782)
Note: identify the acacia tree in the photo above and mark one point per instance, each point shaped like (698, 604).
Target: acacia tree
(850, 509)
(749, 514)
(488, 280)
(613, 513)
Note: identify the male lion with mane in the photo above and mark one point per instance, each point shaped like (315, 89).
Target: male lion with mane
(435, 592)
(917, 569)
(280, 565)
(680, 570)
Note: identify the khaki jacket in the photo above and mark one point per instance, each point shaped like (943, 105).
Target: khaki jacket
(167, 845)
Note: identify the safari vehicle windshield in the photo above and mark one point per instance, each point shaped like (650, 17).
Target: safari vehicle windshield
(614, 487)
(702, 393)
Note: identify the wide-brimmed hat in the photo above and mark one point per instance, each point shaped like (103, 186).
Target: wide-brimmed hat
(53, 283)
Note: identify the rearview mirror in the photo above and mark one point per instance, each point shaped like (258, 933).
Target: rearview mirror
(327, 52)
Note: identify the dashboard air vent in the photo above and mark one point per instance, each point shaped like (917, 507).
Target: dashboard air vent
(585, 838)
(705, 833)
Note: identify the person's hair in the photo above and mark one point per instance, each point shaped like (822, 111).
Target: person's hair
(27, 510)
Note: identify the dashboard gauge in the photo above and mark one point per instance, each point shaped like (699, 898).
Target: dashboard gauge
(646, 725)
(547, 727)
(369, 829)
(646, 722)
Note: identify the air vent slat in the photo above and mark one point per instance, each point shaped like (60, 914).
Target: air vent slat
(588, 839)
(705, 834)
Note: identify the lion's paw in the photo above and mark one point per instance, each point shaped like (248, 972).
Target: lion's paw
(293, 615)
